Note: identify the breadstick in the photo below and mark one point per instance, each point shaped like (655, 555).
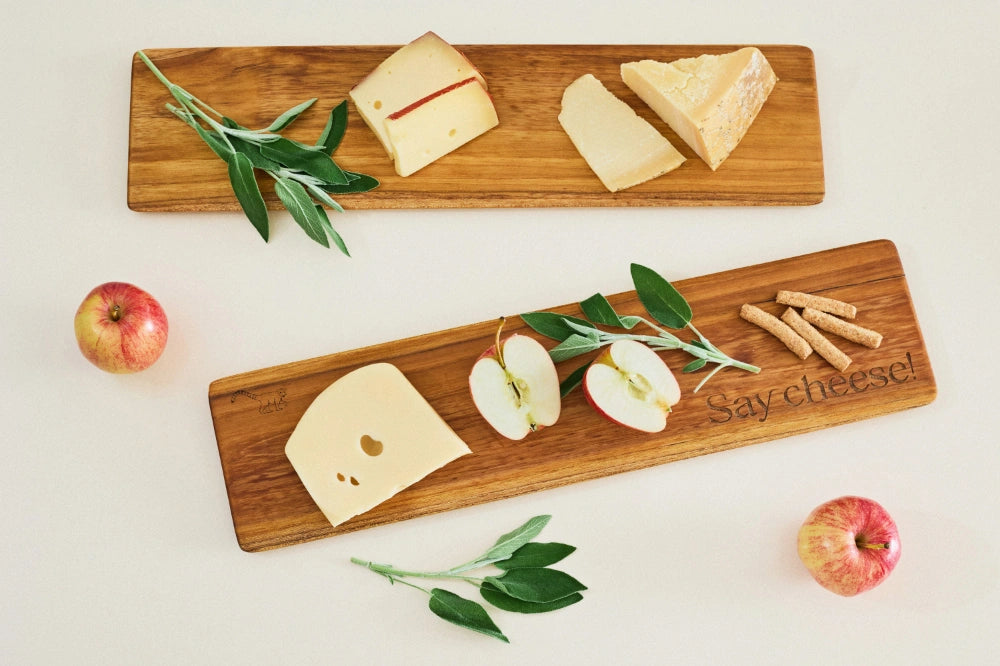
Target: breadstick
(846, 330)
(801, 300)
(777, 328)
(823, 347)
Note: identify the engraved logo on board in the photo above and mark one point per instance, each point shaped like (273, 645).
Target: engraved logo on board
(268, 402)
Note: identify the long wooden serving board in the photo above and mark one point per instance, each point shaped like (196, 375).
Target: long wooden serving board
(255, 412)
(527, 161)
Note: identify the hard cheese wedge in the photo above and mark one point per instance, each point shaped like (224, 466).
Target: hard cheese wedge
(367, 436)
(710, 101)
(438, 124)
(425, 65)
(620, 147)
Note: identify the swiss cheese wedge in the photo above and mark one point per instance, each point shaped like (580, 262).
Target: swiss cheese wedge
(620, 147)
(709, 101)
(366, 437)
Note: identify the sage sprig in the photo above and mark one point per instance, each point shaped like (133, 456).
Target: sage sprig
(304, 176)
(526, 583)
(665, 305)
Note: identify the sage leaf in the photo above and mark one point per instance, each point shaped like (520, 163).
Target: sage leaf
(695, 365)
(535, 554)
(252, 151)
(463, 612)
(320, 194)
(538, 584)
(600, 311)
(660, 298)
(571, 347)
(588, 331)
(241, 177)
(303, 210)
(331, 232)
(334, 130)
(217, 145)
(506, 602)
(310, 160)
(553, 325)
(359, 182)
(574, 379)
(286, 119)
(507, 544)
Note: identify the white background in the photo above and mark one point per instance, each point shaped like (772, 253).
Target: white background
(117, 543)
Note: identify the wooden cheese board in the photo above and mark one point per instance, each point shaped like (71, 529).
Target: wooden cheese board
(255, 412)
(527, 161)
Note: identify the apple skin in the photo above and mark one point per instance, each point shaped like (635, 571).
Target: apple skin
(849, 544)
(120, 328)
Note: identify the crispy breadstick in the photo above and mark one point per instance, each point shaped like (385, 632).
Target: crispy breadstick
(777, 328)
(801, 300)
(816, 340)
(846, 330)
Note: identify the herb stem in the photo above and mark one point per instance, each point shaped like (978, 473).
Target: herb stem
(391, 572)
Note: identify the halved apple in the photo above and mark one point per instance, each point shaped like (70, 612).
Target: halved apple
(515, 386)
(631, 385)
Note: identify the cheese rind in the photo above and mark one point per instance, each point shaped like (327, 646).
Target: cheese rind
(438, 124)
(709, 101)
(620, 147)
(418, 69)
(366, 437)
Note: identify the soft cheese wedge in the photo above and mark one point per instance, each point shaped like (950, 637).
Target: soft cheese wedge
(366, 437)
(438, 124)
(618, 145)
(422, 67)
(710, 101)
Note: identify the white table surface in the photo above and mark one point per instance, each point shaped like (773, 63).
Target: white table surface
(117, 541)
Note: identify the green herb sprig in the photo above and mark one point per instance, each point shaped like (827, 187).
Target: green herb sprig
(304, 176)
(527, 584)
(664, 304)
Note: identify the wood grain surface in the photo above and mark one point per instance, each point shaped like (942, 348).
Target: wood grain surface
(528, 161)
(255, 412)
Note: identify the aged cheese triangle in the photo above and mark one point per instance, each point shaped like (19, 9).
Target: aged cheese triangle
(366, 437)
(618, 145)
(709, 101)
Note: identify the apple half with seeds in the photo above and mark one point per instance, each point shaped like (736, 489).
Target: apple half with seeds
(515, 386)
(632, 386)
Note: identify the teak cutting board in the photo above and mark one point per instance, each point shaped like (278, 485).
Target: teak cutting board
(527, 161)
(255, 412)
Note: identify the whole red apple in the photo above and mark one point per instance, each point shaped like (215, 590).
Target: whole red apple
(849, 544)
(120, 328)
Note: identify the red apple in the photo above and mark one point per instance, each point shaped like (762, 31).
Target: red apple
(515, 386)
(849, 544)
(630, 384)
(120, 328)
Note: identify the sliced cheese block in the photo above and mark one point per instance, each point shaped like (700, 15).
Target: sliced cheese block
(439, 123)
(420, 68)
(367, 436)
(620, 147)
(710, 101)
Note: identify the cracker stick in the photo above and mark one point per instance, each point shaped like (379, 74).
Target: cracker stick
(846, 330)
(777, 328)
(823, 347)
(801, 300)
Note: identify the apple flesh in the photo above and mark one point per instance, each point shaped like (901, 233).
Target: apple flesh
(632, 386)
(515, 386)
(849, 544)
(120, 328)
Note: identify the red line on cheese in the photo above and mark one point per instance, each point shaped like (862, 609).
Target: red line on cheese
(365, 438)
(709, 101)
(618, 145)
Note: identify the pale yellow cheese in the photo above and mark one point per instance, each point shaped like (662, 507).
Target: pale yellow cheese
(367, 436)
(710, 101)
(438, 124)
(418, 69)
(618, 145)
